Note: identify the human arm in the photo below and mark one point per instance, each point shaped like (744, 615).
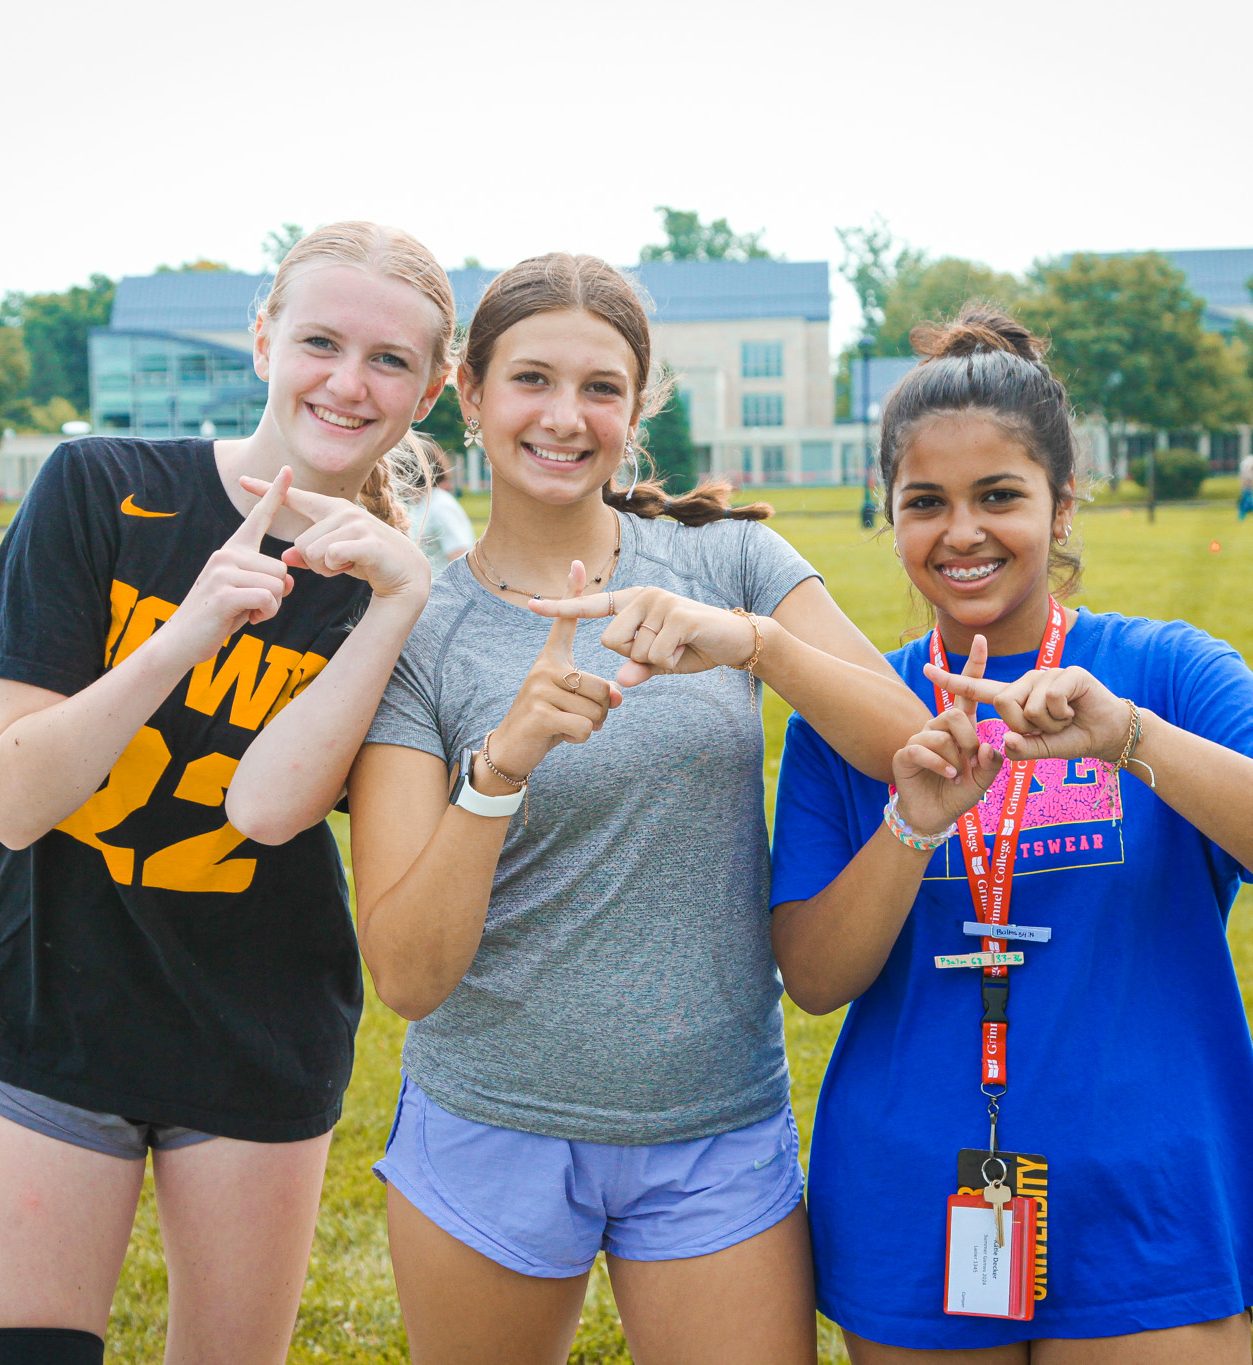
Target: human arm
(305, 752)
(424, 868)
(57, 749)
(832, 945)
(811, 654)
(1069, 713)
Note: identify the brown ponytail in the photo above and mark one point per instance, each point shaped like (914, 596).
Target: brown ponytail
(708, 501)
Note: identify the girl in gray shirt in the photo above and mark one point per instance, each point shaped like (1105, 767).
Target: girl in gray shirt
(580, 928)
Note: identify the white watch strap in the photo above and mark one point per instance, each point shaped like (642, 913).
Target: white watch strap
(478, 804)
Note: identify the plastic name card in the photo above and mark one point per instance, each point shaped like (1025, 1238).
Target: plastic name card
(982, 1277)
(1033, 933)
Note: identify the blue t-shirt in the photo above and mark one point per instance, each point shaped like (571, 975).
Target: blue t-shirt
(1129, 1057)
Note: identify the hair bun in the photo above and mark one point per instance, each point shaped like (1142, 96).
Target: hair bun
(976, 329)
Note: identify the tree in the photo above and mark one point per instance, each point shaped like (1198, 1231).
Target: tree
(55, 329)
(1127, 338)
(872, 260)
(669, 443)
(444, 423)
(688, 239)
(14, 374)
(52, 415)
(279, 241)
(922, 290)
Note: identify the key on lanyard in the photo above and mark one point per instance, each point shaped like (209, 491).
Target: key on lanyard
(997, 1193)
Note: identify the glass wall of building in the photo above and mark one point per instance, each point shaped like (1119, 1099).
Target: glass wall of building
(150, 384)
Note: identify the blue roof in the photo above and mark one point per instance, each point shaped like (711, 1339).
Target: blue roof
(1220, 276)
(701, 291)
(187, 301)
(683, 291)
(713, 291)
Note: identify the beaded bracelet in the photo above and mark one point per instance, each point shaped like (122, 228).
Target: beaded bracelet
(1135, 730)
(751, 662)
(523, 785)
(924, 843)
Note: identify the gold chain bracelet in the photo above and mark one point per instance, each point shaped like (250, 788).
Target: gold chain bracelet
(751, 662)
(1134, 732)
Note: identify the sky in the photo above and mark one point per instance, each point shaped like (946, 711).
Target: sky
(152, 131)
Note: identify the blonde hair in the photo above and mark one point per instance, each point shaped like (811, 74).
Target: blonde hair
(393, 253)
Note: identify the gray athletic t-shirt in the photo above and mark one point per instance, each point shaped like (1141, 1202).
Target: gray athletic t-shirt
(624, 989)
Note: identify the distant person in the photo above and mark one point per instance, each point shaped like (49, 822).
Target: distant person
(1245, 504)
(1108, 1079)
(579, 925)
(164, 983)
(438, 523)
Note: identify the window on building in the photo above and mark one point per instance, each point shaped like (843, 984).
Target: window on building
(152, 368)
(773, 461)
(155, 419)
(761, 359)
(746, 460)
(230, 369)
(762, 410)
(816, 460)
(1224, 451)
(193, 369)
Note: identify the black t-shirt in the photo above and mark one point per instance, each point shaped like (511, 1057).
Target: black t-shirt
(153, 962)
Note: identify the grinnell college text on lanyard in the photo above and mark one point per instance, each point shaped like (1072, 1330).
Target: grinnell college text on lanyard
(996, 1262)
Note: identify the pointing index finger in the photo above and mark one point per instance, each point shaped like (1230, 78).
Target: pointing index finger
(975, 665)
(561, 636)
(254, 526)
(591, 607)
(960, 685)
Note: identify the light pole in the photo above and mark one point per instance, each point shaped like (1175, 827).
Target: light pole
(866, 345)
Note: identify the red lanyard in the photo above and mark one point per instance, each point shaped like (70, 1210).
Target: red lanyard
(991, 883)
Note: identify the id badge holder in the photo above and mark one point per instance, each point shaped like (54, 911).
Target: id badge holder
(983, 1278)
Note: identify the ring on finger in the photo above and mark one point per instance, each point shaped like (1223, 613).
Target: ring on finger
(572, 678)
(645, 626)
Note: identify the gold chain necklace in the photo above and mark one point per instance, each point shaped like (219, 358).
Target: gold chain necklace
(489, 573)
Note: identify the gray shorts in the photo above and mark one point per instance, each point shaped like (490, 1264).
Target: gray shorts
(108, 1133)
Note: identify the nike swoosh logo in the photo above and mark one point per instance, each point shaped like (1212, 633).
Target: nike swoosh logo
(129, 509)
(760, 1165)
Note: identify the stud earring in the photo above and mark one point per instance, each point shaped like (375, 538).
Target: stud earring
(628, 453)
(472, 436)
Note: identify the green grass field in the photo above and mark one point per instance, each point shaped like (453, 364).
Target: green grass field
(1195, 562)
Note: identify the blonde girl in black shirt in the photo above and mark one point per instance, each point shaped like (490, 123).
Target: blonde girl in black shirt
(165, 983)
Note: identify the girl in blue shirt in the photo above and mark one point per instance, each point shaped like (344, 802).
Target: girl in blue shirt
(1126, 1063)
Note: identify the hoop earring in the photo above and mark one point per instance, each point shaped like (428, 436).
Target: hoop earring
(628, 453)
(896, 549)
(1064, 539)
(472, 436)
